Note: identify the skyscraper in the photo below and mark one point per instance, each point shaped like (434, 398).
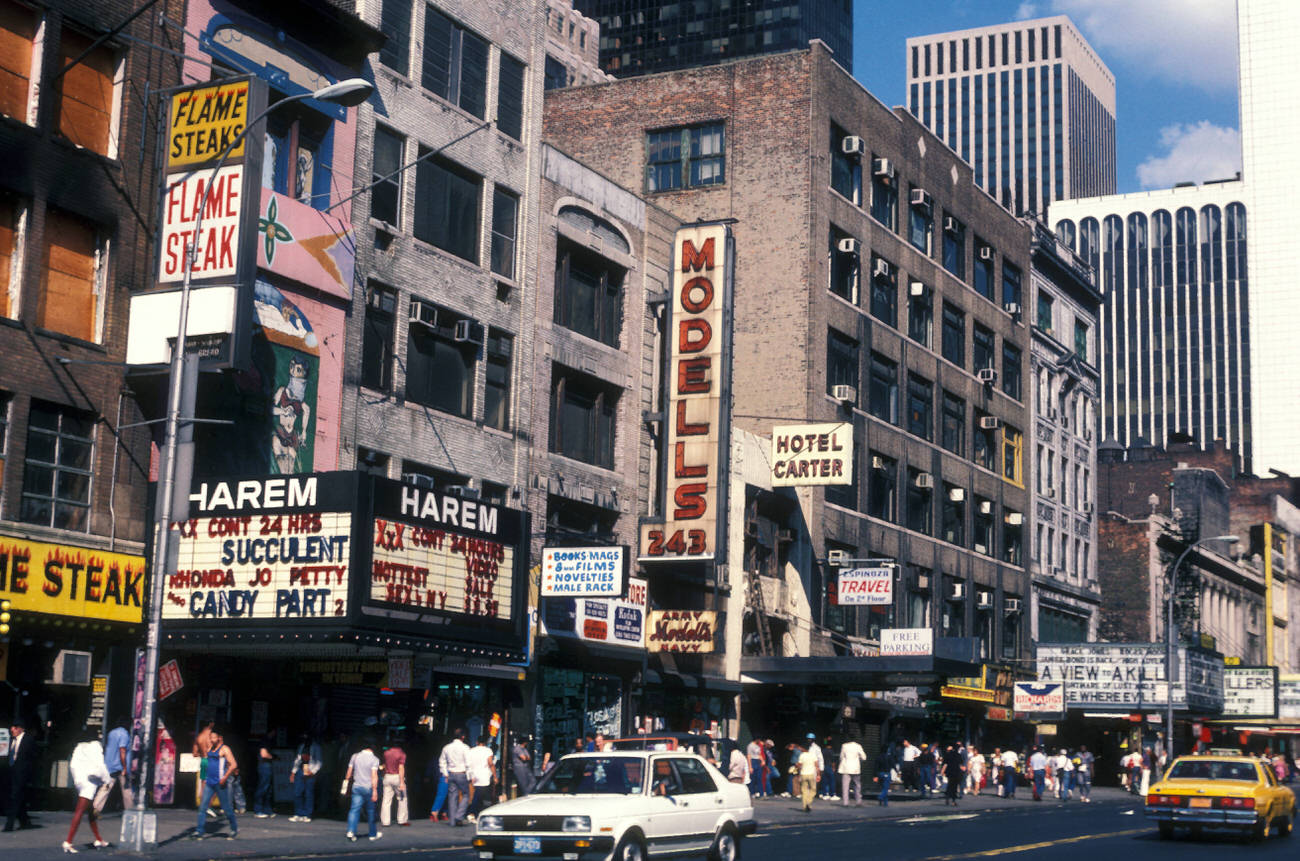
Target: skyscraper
(639, 37)
(1029, 104)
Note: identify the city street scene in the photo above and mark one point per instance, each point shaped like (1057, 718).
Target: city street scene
(618, 429)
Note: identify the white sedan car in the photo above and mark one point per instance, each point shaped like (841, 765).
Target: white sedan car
(623, 806)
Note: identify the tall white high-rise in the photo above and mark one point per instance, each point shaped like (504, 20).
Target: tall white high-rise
(1029, 104)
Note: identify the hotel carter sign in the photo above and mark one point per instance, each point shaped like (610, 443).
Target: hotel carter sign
(695, 418)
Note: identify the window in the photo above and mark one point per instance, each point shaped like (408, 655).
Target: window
(1011, 370)
(386, 176)
(395, 21)
(557, 76)
(846, 169)
(85, 94)
(986, 445)
(884, 291)
(688, 157)
(983, 531)
(1011, 632)
(844, 268)
(884, 196)
(8, 241)
(440, 369)
(695, 777)
(17, 29)
(882, 397)
(954, 335)
(954, 247)
(56, 472)
(920, 222)
(505, 212)
(510, 97)
(882, 488)
(70, 276)
(377, 339)
(841, 361)
(1081, 339)
(588, 294)
(982, 347)
(496, 387)
(455, 63)
(953, 506)
(919, 517)
(1010, 285)
(1043, 319)
(1012, 452)
(583, 412)
(920, 406)
(447, 206)
(1012, 535)
(920, 315)
(296, 159)
(983, 270)
(954, 424)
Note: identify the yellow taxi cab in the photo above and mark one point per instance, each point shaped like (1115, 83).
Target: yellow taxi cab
(1221, 792)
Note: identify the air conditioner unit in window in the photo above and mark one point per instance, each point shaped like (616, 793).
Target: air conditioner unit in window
(882, 167)
(916, 288)
(1087, 507)
(468, 332)
(418, 479)
(988, 376)
(984, 600)
(990, 422)
(423, 312)
(464, 491)
(853, 145)
(921, 199)
(877, 462)
(71, 668)
(849, 245)
(1015, 518)
(957, 592)
(882, 268)
(844, 394)
(1012, 308)
(923, 581)
(837, 558)
(986, 506)
(951, 225)
(924, 480)
(986, 252)
(1011, 605)
(1051, 493)
(957, 494)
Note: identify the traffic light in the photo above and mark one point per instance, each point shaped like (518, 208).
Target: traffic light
(4, 617)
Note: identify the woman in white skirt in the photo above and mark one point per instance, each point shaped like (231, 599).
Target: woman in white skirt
(88, 774)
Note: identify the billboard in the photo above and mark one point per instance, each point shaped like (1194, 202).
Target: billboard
(695, 420)
(812, 454)
(865, 586)
(612, 621)
(1250, 692)
(1131, 676)
(76, 582)
(576, 572)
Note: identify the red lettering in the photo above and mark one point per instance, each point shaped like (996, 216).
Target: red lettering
(689, 302)
(692, 376)
(693, 335)
(681, 470)
(685, 429)
(691, 504)
(693, 260)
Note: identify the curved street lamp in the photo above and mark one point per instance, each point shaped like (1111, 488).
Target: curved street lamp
(1169, 637)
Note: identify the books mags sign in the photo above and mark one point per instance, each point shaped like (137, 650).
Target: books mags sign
(696, 417)
(682, 630)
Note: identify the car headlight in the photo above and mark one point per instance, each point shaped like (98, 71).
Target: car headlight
(491, 823)
(576, 823)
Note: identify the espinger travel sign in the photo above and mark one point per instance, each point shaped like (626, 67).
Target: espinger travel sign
(698, 378)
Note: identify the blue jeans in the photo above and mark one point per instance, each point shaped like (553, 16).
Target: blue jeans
(1040, 778)
(756, 777)
(1084, 781)
(927, 779)
(828, 781)
(1009, 782)
(304, 789)
(265, 782)
(440, 798)
(361, 795)
(885, 777)
(222, 792)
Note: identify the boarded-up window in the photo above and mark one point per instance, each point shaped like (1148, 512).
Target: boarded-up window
(68, 294)
(17, 25)
(86, 104)
(8, 303)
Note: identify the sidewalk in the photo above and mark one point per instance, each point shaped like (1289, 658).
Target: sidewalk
(280, 838)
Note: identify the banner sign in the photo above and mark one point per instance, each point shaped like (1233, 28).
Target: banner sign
(1288, 697)
(698, 377)
(814, 454)
(866, 586)
(1131, 676)
(1034, 698)
(612, 621)
(682, 630)
(71, 581)
(1250, 692)
(577, 572)
(906, 641)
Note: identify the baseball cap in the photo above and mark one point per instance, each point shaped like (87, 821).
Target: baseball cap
(812, 735)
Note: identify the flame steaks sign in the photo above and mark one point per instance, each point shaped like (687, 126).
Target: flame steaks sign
(682, 630)
(695, 418)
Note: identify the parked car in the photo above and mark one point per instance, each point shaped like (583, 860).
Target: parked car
(1221, 792)
(623, 806)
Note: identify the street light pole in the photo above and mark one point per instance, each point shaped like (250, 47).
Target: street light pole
(349, 93)
(1169, 637)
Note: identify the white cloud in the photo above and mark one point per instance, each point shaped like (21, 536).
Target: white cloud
(1194, 153)
(1191, 42)
(1026, 11)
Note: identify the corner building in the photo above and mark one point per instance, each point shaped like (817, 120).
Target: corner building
(875, 284)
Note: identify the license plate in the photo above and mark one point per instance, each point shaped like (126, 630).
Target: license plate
(528, 846)
(1200, 802)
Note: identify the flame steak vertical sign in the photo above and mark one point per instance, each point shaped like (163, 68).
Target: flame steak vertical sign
(695, 406)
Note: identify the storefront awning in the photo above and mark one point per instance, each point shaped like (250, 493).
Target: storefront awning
(951, 658)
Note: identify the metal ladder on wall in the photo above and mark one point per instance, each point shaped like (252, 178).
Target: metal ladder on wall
(760, 612)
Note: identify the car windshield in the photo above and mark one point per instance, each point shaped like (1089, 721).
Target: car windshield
(1191, 769)
(602, 775)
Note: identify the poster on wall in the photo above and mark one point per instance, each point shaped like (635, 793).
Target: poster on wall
(289, 365)
(613, 621)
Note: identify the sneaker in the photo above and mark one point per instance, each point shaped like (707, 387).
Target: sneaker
(303, 818)
(260, 815)
(376, 835)
(199, 835)
(212, 814)
(232, 835)
(270, 816)
(352, 837)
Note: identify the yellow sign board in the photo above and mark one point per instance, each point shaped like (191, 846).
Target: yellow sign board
(203, 122)
(63, 580)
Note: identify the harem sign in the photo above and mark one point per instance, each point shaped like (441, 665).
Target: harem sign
(681, 630)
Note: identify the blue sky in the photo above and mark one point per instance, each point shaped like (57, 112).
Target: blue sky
(1174, 62)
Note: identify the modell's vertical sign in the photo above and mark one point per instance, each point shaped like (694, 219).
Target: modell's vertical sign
(695, 419)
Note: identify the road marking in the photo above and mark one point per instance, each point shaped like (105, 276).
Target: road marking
(952, 817)
(1026, 847)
